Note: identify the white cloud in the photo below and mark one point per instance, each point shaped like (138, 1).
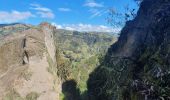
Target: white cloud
(57, 26)
(92, 4)
(64, 9)
(97, 12)
(39, 8)
(44, 12)
(96, 9)
(87, 27)
(46, 15)
(14, 16)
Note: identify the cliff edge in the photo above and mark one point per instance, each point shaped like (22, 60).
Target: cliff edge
(24, 61)
(137, 66)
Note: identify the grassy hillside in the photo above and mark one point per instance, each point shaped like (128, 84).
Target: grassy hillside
(6, 29)
(83, 50)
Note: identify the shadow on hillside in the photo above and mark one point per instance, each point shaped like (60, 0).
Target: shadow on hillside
(70, 90)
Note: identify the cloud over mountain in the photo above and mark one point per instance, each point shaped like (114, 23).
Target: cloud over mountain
(14, 16)
(87, 27)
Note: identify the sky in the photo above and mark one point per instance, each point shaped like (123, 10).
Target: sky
(81, 15)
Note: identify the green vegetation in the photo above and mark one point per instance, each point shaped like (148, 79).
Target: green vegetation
(61, 96)
(12, 95)
(32, 96)
(81, 51)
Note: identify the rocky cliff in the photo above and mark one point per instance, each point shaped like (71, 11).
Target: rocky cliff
(137, 66)
(24, 54)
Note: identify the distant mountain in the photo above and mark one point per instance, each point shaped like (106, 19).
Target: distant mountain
(2, 25)
(6, 29)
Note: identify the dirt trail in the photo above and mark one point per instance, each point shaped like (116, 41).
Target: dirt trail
(41, 81)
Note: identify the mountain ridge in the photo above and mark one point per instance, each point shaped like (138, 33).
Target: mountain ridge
(44, 57)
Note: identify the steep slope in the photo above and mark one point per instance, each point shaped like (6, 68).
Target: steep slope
(24, 65)
(137, 66)
(82, 50)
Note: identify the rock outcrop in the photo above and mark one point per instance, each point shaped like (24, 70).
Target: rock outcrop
(24, 55)
(137, 66)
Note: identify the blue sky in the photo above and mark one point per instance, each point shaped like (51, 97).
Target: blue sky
(69, 14)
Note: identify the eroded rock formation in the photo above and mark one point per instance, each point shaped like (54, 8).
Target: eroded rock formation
(24, 62)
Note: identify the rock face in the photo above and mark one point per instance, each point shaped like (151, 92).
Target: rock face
(137, 66)
(24, 62)
(48, 30)
(11, 47)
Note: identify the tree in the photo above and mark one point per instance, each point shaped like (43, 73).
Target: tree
(138, 2)
(118, 19)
